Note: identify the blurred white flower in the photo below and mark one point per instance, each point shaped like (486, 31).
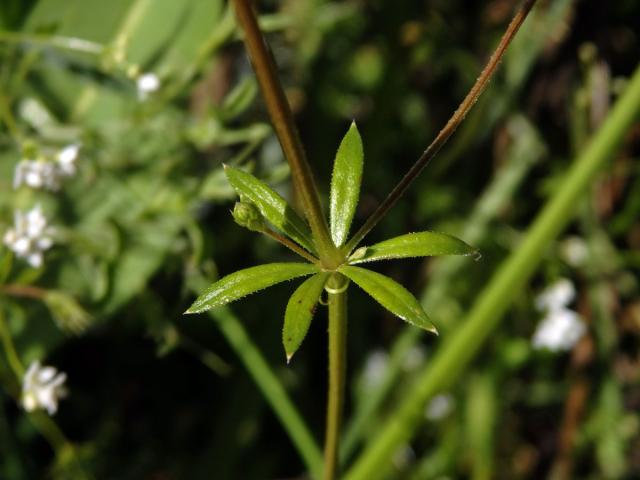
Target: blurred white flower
(42, 387)
(559, 330)
(557, 296)
(575, 251)
(47, 174)
(374, 368)
(415, 358)
(36, 174)
(439, 407)
(561, 327)
(66, 160)
(30, 236)
(147, 83)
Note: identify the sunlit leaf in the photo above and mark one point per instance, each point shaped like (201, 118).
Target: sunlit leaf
(272, 206)
(299, 313)
(421, 244)
(391, 295)
(247, 281)
(345, 184)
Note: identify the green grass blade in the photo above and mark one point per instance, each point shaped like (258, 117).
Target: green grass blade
(272, 206)
(299, 313)
(244, 282)
(345, 184)
(391, 295)
(421, 244)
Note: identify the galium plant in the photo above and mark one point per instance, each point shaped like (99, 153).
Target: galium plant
(332, 257)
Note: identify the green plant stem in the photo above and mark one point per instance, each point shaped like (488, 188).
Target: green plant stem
(337, 292)
(444, 134)
(56, 41)
(485, 315)
(284, 125)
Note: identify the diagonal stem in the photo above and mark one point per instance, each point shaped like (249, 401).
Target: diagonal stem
(284, 125)
(294, 247)
(444, 134)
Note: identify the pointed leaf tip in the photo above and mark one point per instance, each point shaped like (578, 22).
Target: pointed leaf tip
(345, 184)
(420, 244)
(299, 312)
(390, 294)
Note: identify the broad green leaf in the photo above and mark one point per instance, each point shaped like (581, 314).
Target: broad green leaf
(391, 295)
(345, 184)
(299, 313)
(247, 281)
(272, 206)
(421, 244)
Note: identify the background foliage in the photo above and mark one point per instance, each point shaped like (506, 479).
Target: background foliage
(146, 221)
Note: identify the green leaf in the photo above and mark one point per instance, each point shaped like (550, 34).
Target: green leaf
(422, 244)
(247, 281)
(272, 206)
(345, 184)
(391, 295)
(300, 310)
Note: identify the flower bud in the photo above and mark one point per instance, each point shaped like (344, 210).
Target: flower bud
(247, 215)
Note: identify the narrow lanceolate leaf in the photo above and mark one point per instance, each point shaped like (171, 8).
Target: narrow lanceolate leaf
(421, 244)
(345, 184)
(299, 313)
(272, 206)
(244, 282)
(391, 295)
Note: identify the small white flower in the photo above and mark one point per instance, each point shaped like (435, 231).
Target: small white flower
(30, 236)
(560, 330)
(415, 358)
(147, 83)
(36, 174)
(42, 387)
(439, 407)
(66, 160)
(557, 296)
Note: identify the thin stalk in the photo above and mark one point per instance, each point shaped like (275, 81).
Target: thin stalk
(444, 134)
(337, 368)
(456, 353)
(294, 247)
(284, 125)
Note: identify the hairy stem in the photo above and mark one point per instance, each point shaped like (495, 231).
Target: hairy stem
(444, 134)
(284, 125)
(337, 289)
(456, 353)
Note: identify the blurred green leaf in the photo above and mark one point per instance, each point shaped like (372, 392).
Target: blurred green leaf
(391, 295)
(299, 313)
(247, 281)
(272, 206)
(422, 244)
(345, 184)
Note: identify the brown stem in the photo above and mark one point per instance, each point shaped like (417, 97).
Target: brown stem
(28, 291)
(284, 125)
(451, 126)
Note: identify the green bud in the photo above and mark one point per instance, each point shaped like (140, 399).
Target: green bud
(247, 215)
